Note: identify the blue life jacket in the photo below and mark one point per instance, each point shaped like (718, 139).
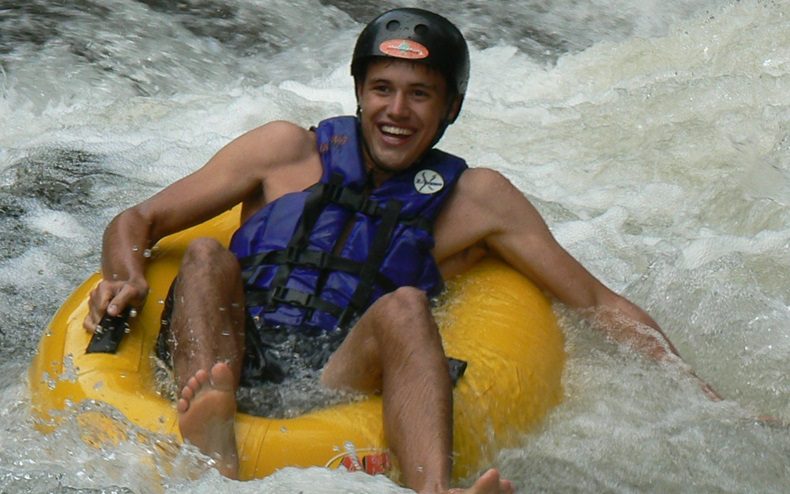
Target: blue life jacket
(295, 273)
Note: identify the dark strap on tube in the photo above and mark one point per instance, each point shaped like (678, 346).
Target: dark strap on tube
(109, 333)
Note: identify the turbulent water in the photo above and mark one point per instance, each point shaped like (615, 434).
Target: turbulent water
(653, 136)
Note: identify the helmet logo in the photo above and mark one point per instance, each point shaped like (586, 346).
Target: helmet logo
(404, 48)
(428, 181)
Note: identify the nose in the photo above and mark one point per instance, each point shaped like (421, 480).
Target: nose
(398, 105)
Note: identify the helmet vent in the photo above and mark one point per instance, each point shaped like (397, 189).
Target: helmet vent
(393, 25)
(421, 29)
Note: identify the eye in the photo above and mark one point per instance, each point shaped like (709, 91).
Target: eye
(421, 93)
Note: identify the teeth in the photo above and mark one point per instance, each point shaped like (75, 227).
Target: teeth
(389, 129)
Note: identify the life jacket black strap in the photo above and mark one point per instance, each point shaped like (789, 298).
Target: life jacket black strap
(418, 222)
(353, 200)
(296, 253)
(378, 250)
(313, 206)
(310, 258)
(290, 296)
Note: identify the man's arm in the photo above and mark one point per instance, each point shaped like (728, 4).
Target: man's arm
(498, 219)
(235, 174)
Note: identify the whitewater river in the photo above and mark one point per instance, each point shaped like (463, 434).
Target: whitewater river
(653, 136)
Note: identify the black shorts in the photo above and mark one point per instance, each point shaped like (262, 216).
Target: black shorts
(270, 354)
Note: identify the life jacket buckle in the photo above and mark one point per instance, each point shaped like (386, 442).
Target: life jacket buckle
(369, 207)
(292, 255)
(334, 192)
(284, 295)
(323, 260)
(279, 294)
(353, 200)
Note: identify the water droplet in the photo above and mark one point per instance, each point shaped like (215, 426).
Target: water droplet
(283, 429)
(147, 253)
(51, 384)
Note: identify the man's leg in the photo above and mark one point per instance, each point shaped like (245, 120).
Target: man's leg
(207, 345)
(396, 349)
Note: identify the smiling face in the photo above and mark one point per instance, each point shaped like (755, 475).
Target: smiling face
(403, 105)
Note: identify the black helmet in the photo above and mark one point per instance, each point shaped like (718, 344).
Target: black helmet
(417, 35)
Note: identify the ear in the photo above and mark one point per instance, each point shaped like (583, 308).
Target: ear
(358, 93)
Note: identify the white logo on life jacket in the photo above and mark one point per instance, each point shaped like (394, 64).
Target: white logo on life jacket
(428, 182)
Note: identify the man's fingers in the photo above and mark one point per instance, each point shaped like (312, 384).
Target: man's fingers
(108, 297)
(128, 296)
(112, 308)
(97, 304)
(112, 298)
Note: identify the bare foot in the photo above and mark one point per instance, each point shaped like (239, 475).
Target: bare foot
(488, 483)
(207, 410)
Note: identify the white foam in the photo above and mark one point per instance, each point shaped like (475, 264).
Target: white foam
(57, 223)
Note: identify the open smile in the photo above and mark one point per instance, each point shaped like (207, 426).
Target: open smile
(400, 131)
(395, 134)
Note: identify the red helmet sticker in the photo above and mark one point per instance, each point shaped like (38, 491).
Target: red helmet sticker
(403, 48)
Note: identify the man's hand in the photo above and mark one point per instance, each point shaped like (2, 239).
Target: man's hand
(112, 297)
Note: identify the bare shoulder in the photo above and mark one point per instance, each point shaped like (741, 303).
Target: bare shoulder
(488, 195)
(298, 139)
(275, 144)
(481, 183)
(278, 156)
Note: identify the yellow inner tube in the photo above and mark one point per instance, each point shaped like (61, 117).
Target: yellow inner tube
(491, 317)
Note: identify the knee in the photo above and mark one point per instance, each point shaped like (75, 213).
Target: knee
(403, 303)
(206, 253)
(405, 314)
(203, 248)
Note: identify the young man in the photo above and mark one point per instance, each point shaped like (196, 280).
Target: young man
(353, 224)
